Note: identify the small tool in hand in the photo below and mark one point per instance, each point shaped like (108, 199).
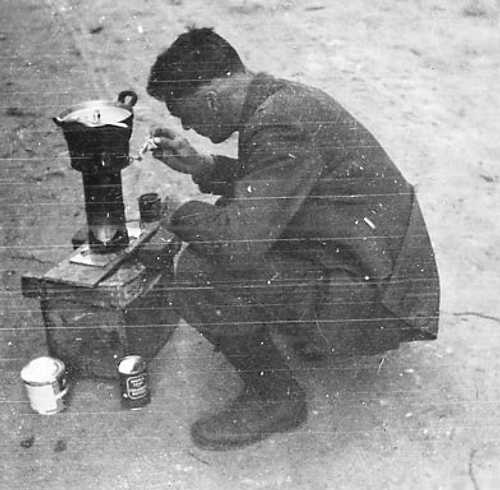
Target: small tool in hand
(147, 146)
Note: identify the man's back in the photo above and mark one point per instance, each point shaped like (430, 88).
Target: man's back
(359, 211)
(360, 202)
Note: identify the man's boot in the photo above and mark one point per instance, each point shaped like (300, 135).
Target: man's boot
(271, 401)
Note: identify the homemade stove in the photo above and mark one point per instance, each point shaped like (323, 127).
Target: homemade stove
(109, 297)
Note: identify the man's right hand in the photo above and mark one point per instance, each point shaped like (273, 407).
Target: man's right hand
(175, 151)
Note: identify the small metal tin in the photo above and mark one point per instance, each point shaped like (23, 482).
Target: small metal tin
(149, 207)
(46, 385)
(134, 382)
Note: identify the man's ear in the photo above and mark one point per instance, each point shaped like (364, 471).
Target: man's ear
(212, 100)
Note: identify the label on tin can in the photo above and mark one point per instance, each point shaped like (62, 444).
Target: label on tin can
(137, 386)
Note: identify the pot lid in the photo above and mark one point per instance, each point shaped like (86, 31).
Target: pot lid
(131, 364)
(40, 370)
(95, 113)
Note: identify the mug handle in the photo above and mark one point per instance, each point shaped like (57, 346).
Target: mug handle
(127, 93)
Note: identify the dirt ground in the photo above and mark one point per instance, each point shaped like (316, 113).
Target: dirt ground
(423, 76)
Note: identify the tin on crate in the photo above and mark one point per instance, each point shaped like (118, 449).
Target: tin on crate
(150, 207)
(46, 384)
(134, 382)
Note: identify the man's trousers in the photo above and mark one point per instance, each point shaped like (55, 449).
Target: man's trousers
(336, 308)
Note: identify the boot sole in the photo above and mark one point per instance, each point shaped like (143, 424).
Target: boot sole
(284, 425)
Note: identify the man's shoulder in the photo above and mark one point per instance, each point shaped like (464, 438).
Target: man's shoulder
(295, 102)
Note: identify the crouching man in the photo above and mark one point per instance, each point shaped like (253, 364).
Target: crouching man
(316, 232)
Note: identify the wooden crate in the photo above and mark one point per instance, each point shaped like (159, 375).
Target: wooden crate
(90, 327)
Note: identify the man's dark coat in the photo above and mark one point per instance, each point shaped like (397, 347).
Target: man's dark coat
(311, 181)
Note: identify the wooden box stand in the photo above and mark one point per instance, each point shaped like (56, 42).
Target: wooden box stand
(90, 327)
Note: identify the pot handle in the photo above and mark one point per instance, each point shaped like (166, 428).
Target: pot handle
(127, 93)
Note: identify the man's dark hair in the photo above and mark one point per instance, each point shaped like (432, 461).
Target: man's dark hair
(195, 58)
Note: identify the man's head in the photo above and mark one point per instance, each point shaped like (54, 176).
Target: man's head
(200, 77)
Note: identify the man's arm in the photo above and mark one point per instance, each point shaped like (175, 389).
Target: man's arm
(281, 168)
(213, 173)
(218, 178)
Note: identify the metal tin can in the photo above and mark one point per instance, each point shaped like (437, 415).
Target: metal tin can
(149, 207)
(134, 382)
(46, 384)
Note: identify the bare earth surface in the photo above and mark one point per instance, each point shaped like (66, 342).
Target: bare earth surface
(423, 76)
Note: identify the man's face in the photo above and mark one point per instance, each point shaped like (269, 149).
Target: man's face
(198, 111)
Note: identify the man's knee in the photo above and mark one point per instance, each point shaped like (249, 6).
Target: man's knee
(193, 269)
